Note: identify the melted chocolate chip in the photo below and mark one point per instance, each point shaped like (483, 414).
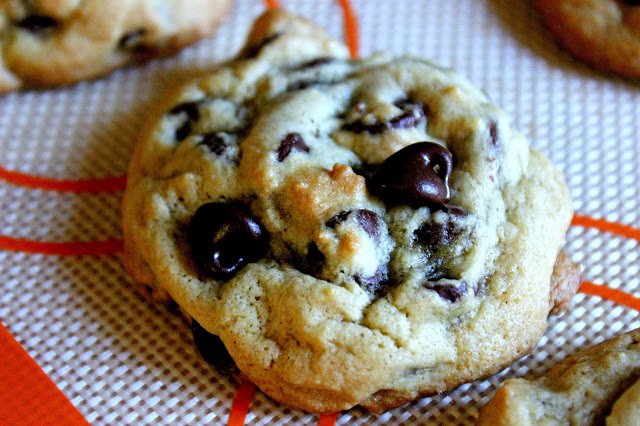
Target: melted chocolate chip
(132, 40)
(191, 114)
(291, 142)
(37, 23)
(493, 133)
(413, 114)
(416, 175)
(432, 234)
(449, 290)
(214, 142)
(376, 284)
(254, 50)
(213, 350)
(367, 219)
(224, 238)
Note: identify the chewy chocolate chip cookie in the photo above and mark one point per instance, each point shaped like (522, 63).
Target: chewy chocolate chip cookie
(343, 231)
(593, 387)
(53, 42)
(603, 33)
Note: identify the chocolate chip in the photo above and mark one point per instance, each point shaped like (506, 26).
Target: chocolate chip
(214, 142)
(493, 133)
(303, 84)
(447, 289)
(413, 114)
(313, 260)
(224, 238)
(191, 113)
(213, 350)
(132, 40)
(433, 234)
(254, 50)
(314, 63)
(367, 219)
(37, 23)
(375, 284)
(416, 175)
(339, 218)
(291, 142)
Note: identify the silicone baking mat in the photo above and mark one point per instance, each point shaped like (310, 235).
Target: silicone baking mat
(121, 359)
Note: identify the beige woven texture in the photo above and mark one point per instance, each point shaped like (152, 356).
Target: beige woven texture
(123, 360)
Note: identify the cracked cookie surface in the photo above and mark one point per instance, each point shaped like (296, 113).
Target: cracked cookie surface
(603, 33)
(53, 42)
(351, 231)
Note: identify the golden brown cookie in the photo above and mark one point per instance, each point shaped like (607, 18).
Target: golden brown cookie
(584, 389)
(346, 231)
(53, 42)
(603, 33)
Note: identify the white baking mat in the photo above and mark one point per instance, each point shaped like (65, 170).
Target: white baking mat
(123, 360)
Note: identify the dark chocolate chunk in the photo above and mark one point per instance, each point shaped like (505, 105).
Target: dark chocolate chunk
(447, 289)
(254, 50)
(377, 283)
(213, 350)
(132, 40)
(416, 175)
(37, 23)
(291, 142)
(214, 142)
(413, 114)
(190, 113)
(224, 237)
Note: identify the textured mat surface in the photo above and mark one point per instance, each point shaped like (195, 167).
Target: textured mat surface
(123, 360)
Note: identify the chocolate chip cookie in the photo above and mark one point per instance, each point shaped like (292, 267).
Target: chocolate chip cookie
(603, 33)
(598, 385)
(53, 42)
(342, 231)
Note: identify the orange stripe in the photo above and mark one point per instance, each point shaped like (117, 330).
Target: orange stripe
(272, 4)
(611, 294)
(241, 402)
(83, 248)
(92, 185)
(27, 395)
(328, 419)
(606, 226)
(351, 30)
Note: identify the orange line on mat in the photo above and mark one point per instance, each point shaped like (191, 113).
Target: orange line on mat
(604, 225)
(611, 294)
(28, 395)
(91, 185)
(241, 402)
(351, 30)
(272, 4)
(82, 248)
(328, 419)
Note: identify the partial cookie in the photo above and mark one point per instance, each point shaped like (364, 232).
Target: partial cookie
(586, 388)
(351, 231)
(603, 33)
(53, 42)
